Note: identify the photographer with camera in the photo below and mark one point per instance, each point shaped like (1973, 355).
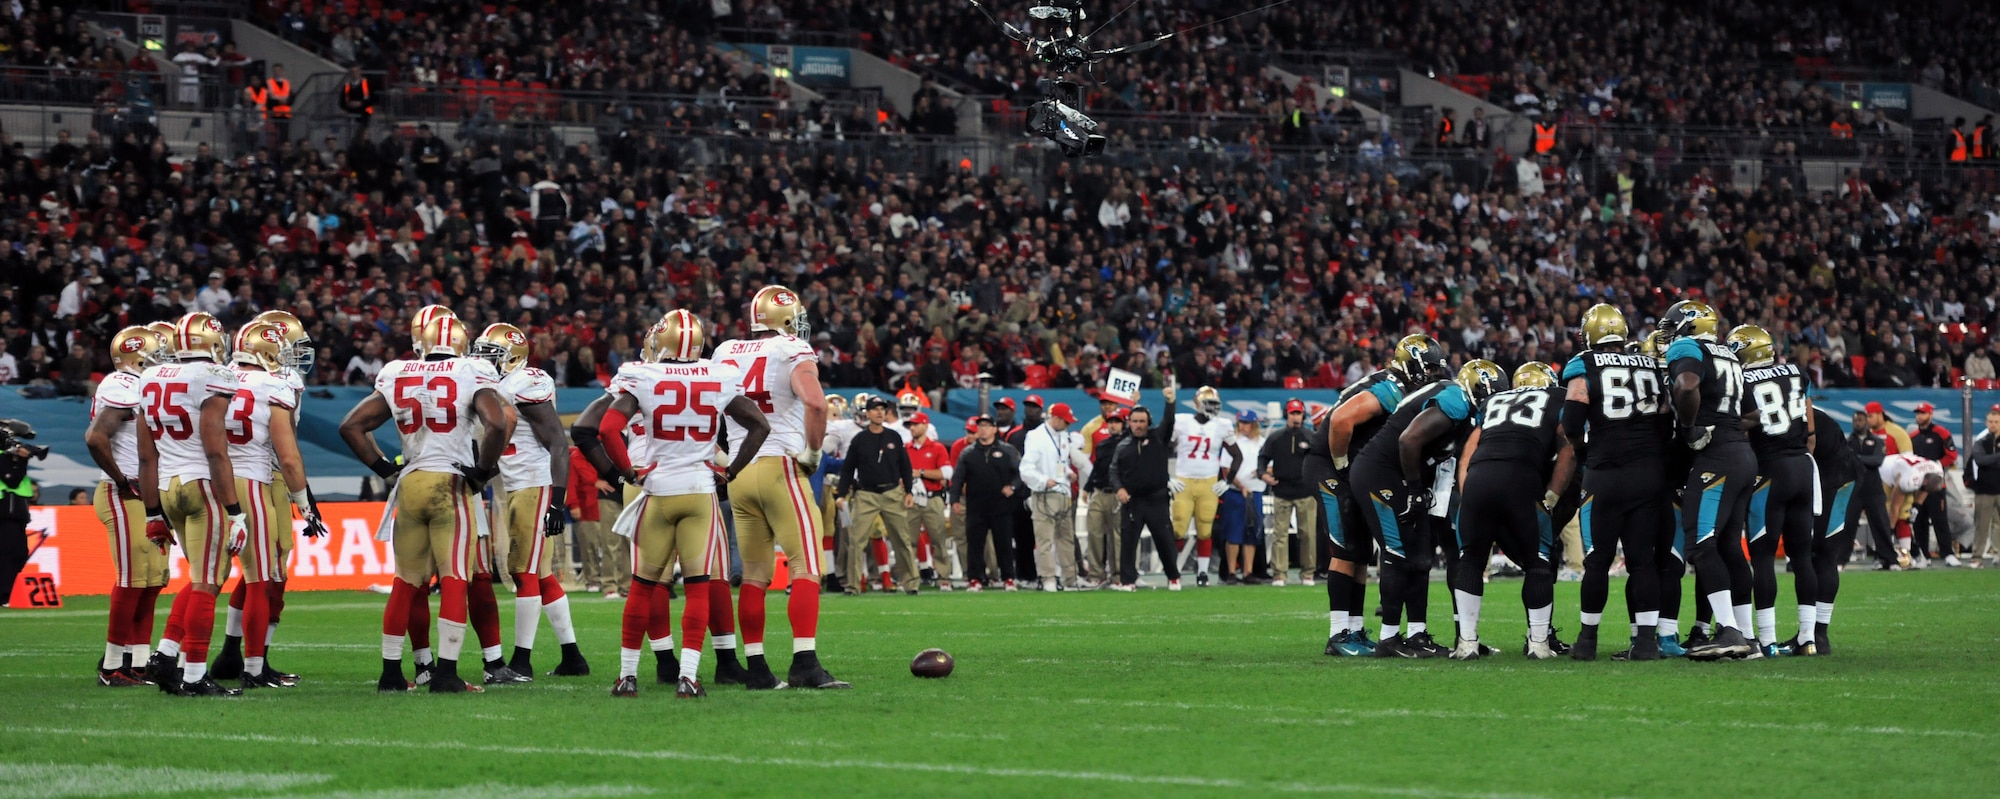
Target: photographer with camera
(17, 492)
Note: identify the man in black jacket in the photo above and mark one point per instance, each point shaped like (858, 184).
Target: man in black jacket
(1869, 450)
(1139, 472)
(1982, 475)
(875, 476)
(983, 487)
(1282, 464)
(1103, 522)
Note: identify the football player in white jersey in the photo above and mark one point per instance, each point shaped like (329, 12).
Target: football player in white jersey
(296, 359)
(535, 482)
(187, 405)
(123, 497)
(434, 402)
(840, 429)
(263, 441)
(771, 500)
(682, 398)
(1200, 440)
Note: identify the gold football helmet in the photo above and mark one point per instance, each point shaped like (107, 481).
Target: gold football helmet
(503, 344)
(261, 344)
(299, 355)
(1535, 374)
(1481, 379)
(1691, 319)
(907, 406)
(1753, 345)
(1208, 400)
(1419, 359)
(424, 317)
(1655, 344)
(780, 309)
(136, 348)
(166, 331)
(836, 406)
(199, 335)
(1604, 324)
(860, 403)
(679, 337)
(442, 335)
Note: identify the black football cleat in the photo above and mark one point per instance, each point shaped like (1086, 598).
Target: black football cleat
(446, 681)
(1795, 648)
(163, 671)
(807, 673)
(1390, 647)
(1586, 644)
(1694, 639)
(118, 678)
(264, 680)
(497, 673)
(137, 675)
(689, 688)
(758, 676)
(205, 686)
(1422, 646)
(1726, 643)
(229, 662)
(1333, 643)
(1821, 645)
(626, 688)
(284, 678)
(571, 665)
(522, 661)
(423, 678)
(728, 671)
(1201, 579)
(1556, 644)
(391, 681)
(665, 670)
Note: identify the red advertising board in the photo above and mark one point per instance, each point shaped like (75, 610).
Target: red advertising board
(67, 544)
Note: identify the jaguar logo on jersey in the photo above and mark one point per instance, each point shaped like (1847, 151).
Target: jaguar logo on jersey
(1708, 477)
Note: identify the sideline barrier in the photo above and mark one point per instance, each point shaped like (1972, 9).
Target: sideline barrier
(69, 546)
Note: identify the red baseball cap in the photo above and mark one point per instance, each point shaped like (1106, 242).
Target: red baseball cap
(920, 418)
(1007, 401)
(972, 425)
(1119, 414)
(1035, 400)
(1925, 407)
(1294, 406)
(1873, 407)
(1061, 411)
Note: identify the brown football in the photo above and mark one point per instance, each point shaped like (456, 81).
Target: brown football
(932, 663)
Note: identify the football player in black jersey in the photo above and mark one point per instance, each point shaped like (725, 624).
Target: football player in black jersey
(1669, 542)
(1393, 484)
(1707, 390)
(1506, 457)
(1833, 538)
(1615, 411)
(1781, 505)
(1361, 412)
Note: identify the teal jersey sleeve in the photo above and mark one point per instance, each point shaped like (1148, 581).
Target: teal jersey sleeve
(1685, 348)
(1453, 402)
(1387, 393)
(1573, 369)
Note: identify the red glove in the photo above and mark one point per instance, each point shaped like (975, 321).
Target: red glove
(157, 530)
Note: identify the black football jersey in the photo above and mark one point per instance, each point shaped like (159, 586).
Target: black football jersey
(1387, 391)
(1721, 407)
(1830, 451)
(1629, 414)
(1383, 450)
(1778, 394)
(1522, 426)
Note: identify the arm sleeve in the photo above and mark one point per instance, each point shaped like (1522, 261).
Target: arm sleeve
(1950, 458)
(903, 471)
(1118, 464)
(847, 465)
(958, 478)
(1576, 416)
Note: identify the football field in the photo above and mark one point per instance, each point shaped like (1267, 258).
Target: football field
(1212, 692)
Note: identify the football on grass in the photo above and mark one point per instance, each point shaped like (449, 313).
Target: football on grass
(932, 663)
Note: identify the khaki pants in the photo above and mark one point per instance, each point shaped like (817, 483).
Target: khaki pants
(1102, 523)
(682, 526)
(1055, 534)
(775, 511)
(1282, 511)
(1197, 502)
(140, 562)
(202, 525)
(1985, 518)
(607, 557)
(868, 508)
(261, 559)
(435, 533)
(830, 526)
(928, 516)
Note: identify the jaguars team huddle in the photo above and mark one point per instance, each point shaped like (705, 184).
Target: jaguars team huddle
(1680, 449)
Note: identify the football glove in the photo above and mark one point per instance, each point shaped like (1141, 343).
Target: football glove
(1697, 438)
(808, 460)
(1175, 486)
(1221, 488)
(1340, 463)
(475, 474)
(239, 532)
(308, 510)
(1549, 500)
(157, 530)
(386, 468)
(1415, 503)
(553, 517)
(129, 489)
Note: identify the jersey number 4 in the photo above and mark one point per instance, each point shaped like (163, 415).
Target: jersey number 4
(410, 395)
(753, 386)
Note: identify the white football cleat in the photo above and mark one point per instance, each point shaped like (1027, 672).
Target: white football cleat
(1173, 585)
(1467, 649)
(1539, 650)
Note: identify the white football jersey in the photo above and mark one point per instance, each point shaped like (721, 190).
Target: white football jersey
(682, 404)
(121, 390)
(638, 438)
(902, 428)
(525, 462)
(1198, 446)
(838, 433)
(1907, 472)
(172, 394)
(766, 365)
(249, 424)
(432, 404)
(1246, 469)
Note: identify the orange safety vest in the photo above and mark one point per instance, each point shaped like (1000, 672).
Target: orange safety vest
(1545, 137)
(1842, 130)
(257, 96)
(280, 93)
(1979, 136)
(1958, 145)
(347, 91)
(1444, 130)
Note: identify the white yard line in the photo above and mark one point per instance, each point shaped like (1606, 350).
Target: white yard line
(488, 790)
(903, 767)
(24, 780)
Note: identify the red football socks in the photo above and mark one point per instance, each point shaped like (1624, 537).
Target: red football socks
(750, 610)
(804, 609)
(721, 612)
(694, 617)
(256, 619)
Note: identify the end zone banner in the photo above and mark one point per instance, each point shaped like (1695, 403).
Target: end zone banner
(68, 544)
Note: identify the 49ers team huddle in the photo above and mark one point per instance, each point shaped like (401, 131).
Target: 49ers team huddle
(213, 465)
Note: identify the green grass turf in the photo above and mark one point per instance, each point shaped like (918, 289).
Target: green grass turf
(1221, 691)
